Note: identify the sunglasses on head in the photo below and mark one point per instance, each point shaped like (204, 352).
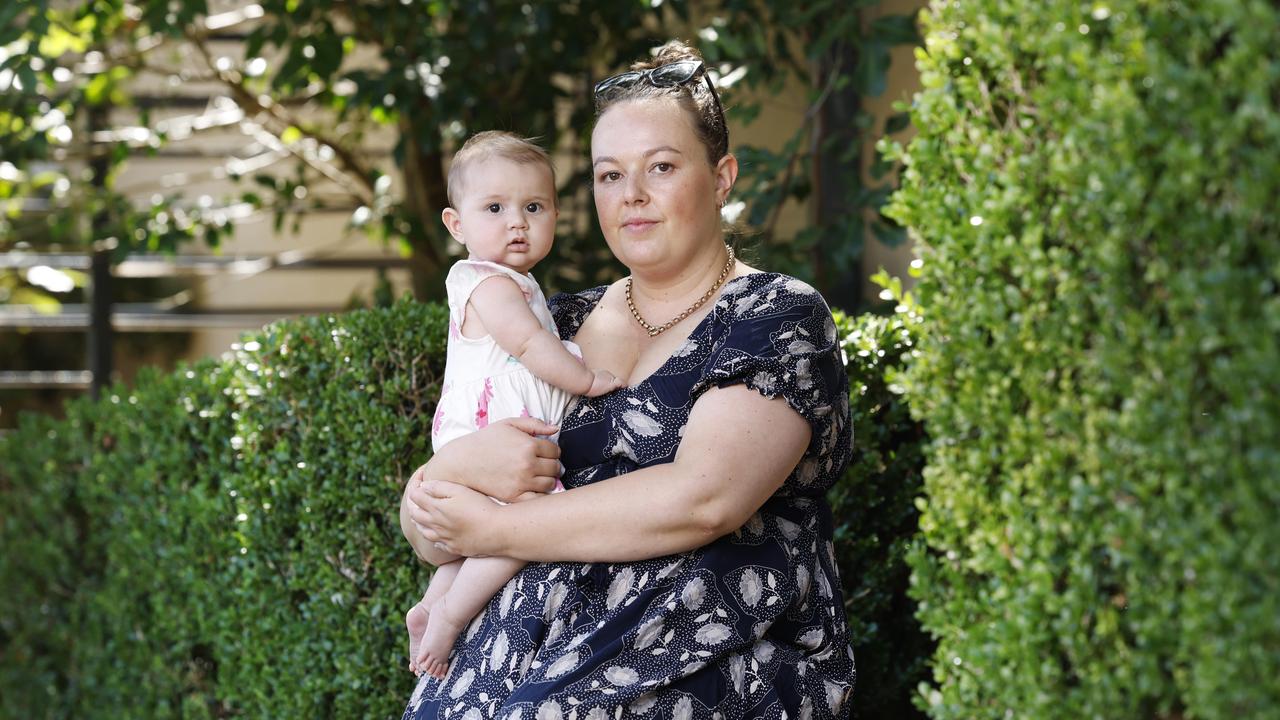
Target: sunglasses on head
(669, 75)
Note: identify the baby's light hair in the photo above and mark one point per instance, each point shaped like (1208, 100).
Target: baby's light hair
(496, 144)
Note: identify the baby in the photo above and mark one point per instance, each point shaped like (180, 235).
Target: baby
(504, 358)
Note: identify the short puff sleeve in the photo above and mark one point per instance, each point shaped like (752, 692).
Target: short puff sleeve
(779, 339)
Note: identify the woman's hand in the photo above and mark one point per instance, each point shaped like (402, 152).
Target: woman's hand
(506, 460)
(454, 518)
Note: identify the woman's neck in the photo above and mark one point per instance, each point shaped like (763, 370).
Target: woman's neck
(657, 290)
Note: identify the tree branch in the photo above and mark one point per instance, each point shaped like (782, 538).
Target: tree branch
(350, 166)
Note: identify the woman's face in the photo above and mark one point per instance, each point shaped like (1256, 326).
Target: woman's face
(656, 196)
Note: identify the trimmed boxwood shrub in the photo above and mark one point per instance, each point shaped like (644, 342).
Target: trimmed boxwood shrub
(1094, 187)
(223, 540)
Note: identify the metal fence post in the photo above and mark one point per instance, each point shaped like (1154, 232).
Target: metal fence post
(100, 331)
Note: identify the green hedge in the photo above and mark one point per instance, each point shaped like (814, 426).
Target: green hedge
(223, 540)
(1095, 186)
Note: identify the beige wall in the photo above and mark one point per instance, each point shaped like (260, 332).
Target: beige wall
(198, 166)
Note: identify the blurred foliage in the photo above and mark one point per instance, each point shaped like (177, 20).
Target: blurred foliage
(837, 56)
(224, 539)
(877, 522)
(313, 84)
(1094, 188)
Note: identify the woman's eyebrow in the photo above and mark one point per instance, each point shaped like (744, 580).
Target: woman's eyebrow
(654, 151)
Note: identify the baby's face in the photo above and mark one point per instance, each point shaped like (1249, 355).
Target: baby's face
(508, 212)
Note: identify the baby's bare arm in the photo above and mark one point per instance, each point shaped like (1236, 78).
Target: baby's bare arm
(500, 307)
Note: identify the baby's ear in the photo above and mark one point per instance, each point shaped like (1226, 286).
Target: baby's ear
(453, 223)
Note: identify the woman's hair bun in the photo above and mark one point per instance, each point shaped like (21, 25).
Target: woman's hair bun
(672, 51)
(698, 98)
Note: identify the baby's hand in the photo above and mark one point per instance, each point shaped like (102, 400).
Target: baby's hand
(603, 382)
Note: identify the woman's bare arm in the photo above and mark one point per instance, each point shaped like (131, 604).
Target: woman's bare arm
(506, 460)
(738, 449)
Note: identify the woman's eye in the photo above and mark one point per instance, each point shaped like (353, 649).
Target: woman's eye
(610, 176)
(663, 167)
(494, 208)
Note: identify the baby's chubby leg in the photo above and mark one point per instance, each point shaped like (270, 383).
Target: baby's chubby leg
(477, 581)
(418, 615)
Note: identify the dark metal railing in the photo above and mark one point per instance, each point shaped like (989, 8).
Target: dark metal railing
(100, 318)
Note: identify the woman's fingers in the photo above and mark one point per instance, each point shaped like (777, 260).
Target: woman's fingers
(546, 468)
(545, 449)
(533, 426)
(547, 483)
(421, 517)
(441, 488)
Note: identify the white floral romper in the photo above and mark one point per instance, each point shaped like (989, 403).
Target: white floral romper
(482, 382)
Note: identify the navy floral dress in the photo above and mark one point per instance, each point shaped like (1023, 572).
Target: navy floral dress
(750, 626)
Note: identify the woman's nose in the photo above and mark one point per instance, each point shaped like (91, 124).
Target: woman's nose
(634, 191)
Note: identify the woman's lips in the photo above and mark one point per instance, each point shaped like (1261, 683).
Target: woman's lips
(638, 225)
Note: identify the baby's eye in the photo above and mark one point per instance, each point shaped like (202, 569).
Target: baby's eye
(533, 207)
(494, 208)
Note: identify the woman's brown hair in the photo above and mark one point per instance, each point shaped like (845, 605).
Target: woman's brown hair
(695, 97)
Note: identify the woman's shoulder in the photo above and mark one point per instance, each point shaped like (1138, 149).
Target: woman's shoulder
(767, 294)
(758, 279)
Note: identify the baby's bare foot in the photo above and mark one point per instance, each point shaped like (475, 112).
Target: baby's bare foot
(437, 642)
(416, 621)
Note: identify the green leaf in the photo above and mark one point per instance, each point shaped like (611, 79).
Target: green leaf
(897, 123)
(890, 234)
(895, 30)
(872, 69)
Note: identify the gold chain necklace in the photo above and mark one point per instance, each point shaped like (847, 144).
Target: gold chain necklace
(656, 330)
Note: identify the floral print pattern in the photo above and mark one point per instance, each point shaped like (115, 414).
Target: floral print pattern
(749, 626)
(482, 382)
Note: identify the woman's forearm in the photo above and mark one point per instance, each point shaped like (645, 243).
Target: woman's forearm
(639, 515)
(737, 451)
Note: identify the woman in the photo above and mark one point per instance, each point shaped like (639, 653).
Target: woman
(688, 572)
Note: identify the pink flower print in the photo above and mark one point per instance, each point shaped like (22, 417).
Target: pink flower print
(524, 411)
(438, 420)
(482, 409)
(453, 330)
